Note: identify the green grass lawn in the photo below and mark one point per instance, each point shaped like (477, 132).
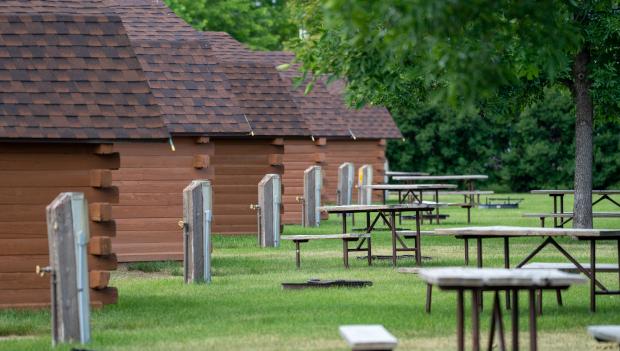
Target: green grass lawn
(245, 308)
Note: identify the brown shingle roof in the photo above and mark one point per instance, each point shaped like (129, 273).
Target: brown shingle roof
(69, 72)
(320, 110)
(369, 122)
(199, 92)
(191, 88)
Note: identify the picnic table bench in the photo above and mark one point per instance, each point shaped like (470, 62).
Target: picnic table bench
(410, 195)
(368, 337)
(606, 333)
(558, 200)
(549, 235)
(496, 280)
(568, 215)
(387, 213)
(346, 238)
(468, 179)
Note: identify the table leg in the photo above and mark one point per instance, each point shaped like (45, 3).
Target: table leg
(437, 205)
(532, 324)
(367, 222)
(475, 319)
(618, 244)
(466, 243)
(507, 265)
(460, 321)
(297, 254)
(429, 298)
(345, 252)
(593, 275)
(393, 225)
(555, 210)
(370, 251)
(515, 320)
(479, 252)
(344, 223)
(562, 209)
(418, 240)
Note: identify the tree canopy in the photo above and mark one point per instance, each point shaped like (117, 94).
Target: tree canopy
(262, 24)
(475, 56)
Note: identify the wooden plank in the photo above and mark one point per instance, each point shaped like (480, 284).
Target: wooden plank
(100, 245)
(276, 160)
(444, 177)
(371, 208)
(609, 333)
(489, 277)
(46, 179)
(269, 202)
(200, 161)
(72, 161)
(411, 186)
(99, 279)
(27, 263)
(43, 196)
(160, 161)
(100, 178)
(570, 215)
(160, 174)
(100, 211)
(570, 191)
(368, 337)
(525, 231)
(104, 149)
(41, 297)
(197, 237)
(325, 236)
(63, 261)
(312, 196)
(18, 281)
(29, 246)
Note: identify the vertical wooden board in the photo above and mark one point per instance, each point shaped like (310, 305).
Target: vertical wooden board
(65, 322)
(197, 222)
(345, 183)
(269, 195)
(364, 179)
(312, 196)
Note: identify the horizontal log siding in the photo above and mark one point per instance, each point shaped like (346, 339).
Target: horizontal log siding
(239, 166)
(358, 152)
(150, 182)
(299, 154)
(31, 176)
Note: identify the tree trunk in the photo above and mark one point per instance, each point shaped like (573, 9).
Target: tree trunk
(583, 141)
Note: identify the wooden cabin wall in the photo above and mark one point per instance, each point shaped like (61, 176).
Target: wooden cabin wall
(31, 176)
(358, 152)
(299, 154)
(151, 180)
(239, 166)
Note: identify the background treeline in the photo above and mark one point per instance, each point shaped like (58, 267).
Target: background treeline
(530, 150)
(520, 151)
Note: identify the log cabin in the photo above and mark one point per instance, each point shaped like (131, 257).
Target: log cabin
(227, 118)
(71, 89)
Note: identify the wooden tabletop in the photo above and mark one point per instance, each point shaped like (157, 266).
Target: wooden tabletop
(570, 191)
(498, 277)
(526, 231)
(373, 208)
(444, 177)
(410, 186)
(394, 173)
(325, 236)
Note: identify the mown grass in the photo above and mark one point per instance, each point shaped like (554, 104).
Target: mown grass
(245, 308)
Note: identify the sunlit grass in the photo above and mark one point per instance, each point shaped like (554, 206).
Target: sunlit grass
(245, 308)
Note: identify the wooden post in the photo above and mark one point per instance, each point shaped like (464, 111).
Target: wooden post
(364, 178)
(197, 232)
(313, 180)
(67, 232)
(386, 180)
(269, 201)
(345, 184)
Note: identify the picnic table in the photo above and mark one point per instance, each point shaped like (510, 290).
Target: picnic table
(496, 280)
(558, 201)
(387, 213)
(469, 180)
(549, 235)
(410, 193)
